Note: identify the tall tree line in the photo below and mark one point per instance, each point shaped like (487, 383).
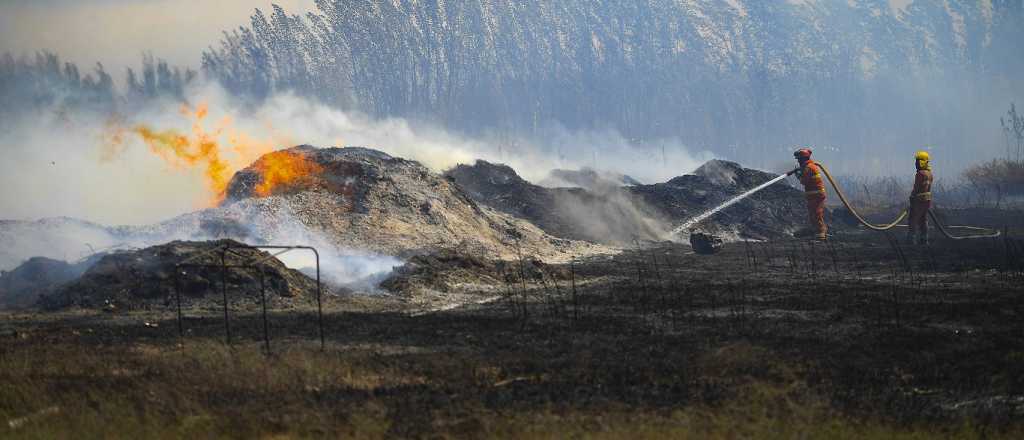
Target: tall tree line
(707, 73)
(43, 81)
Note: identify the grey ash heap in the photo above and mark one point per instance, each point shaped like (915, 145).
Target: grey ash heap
(359, 198)
(366, 211)
(619, 214)
(144, 278)
(360, 207)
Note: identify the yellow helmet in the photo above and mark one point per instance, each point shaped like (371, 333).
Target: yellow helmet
(922, 159)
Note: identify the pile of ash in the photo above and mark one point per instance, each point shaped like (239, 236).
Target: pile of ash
(775, 212)
(705, 244)
(350, 200)
(443, 271)
(359, 198)
(620, 214)
(22, 287)
(601, 214)
(141, 279)
(448, 279)
(587, 178)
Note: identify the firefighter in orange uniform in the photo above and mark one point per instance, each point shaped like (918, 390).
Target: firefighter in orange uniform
(810, 176)
(920, 199)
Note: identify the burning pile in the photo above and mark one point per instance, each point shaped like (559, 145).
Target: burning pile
(356, 205)
(363, 201)
(358, 198)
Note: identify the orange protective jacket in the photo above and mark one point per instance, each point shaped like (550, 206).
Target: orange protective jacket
(922, 186)
(811, 178)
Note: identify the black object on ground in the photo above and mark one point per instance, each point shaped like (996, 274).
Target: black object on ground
(705, 244)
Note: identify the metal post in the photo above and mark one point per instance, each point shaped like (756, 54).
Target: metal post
(575, 296)
(249, 264)
(319, 303)
(224, 293)
(177, 296)
(263, 301)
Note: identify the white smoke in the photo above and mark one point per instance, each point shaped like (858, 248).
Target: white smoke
(86, 166)
(52, 165)
(297, 120)
(60, 164)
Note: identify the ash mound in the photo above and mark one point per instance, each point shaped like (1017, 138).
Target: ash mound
(359, 198)
(587, 178)
(618, 214)
(359, 207)
(37, 277)
(445, 271)
(774, 212)
(448, 279)
(143, 278)
(603, 214)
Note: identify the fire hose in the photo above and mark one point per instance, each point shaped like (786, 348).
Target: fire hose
(989, 233)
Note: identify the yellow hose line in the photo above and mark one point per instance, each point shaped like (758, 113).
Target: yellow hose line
(903, 214)
(839, 192)
(942, 229)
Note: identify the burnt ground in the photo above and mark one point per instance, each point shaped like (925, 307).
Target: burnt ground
(860, 337)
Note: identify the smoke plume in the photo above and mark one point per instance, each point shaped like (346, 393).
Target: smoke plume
(168, 159)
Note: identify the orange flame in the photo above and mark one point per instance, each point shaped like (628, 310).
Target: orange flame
(282, 169)
(203, 149)
(200, 149)
(182, 151)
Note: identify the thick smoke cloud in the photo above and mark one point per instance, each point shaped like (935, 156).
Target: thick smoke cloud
(54, 164)
(94, 167)
(98, 168)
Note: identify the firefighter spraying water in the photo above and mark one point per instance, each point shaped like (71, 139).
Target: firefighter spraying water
(809, 174)
(694, 221)
(812, 176)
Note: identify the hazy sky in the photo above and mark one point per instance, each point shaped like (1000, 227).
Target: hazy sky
(116, 32)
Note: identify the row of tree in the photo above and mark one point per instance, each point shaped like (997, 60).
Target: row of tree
(714, 77)
(1013, 131)
(43, 81)
(1002, 177)
(741, 79)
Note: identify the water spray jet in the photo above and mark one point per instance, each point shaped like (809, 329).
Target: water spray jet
(704, 216)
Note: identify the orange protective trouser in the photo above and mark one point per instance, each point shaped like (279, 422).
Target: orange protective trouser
(816, 213)
(919, 215)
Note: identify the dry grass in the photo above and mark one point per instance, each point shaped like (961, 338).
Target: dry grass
(208, 390)
(646, 357)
